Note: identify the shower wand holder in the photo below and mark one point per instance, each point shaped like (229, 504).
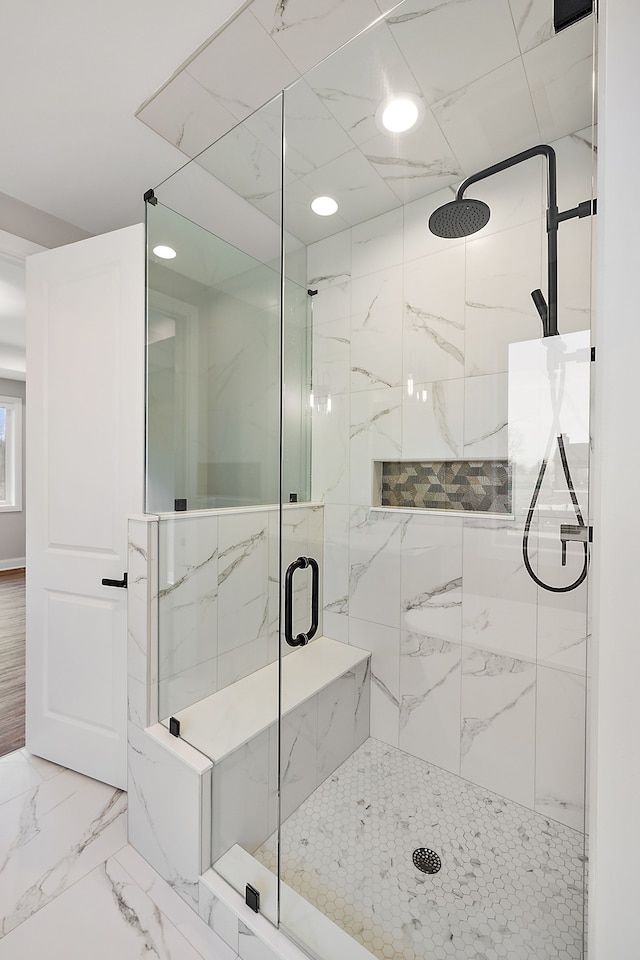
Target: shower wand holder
(576, 532)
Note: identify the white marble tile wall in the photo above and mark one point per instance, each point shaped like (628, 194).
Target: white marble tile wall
(169, 804)
(411, 338)
(218, 598)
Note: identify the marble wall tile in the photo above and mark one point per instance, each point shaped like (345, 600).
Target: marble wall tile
(560, 746)
(53, 838)
(243, 660)
(329, 265)
(240, 797)
(374, 566)
(242, 67)
(336, 560)
(138, 599)
(499, 600)
(418, 161)
(188, 607)
(433, 420)
(384, 644)
(533, 21)
(486, 416)
(501, 271)
(218, 916)
(181, 689)
(362, 702)
(431, 586)
(336, 724)
(498, 723)
(376, 244)
(460, 44)
(331, 357)
(336, 626)
(434, 317)
(330, 451)
(560, 76)
(332, 305)
(307, 31)
(514, 196)
(243, 596)
(418, 239)
(161, 782)
(574, 277)
(376, 324)
(376, 430)
(562, 622)
(298, 758)
(490, 118)
(251, 947)
(430, 679)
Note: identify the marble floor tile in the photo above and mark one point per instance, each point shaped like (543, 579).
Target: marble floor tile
(50, 837)
(104, 915)
(70, 885)
(510, 883)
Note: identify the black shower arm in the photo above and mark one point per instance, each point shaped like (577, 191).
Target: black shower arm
(549, 316)
(542, 150)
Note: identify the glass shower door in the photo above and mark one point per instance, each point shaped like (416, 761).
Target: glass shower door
(433, 731)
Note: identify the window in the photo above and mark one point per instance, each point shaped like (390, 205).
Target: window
(10, 454)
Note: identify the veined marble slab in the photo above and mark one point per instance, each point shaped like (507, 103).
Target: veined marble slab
(224, 721)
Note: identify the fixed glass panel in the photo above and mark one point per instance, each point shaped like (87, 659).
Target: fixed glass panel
(213, 371)
(432, 768)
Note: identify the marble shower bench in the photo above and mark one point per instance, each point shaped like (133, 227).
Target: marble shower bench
(325, 711)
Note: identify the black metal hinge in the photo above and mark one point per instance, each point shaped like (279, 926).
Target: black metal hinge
(150, 197)
(593, 354)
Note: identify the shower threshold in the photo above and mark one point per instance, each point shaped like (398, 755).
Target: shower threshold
(510, 883)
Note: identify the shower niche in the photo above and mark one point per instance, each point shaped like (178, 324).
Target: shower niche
(358, 389)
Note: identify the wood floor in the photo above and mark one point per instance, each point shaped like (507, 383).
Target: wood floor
(12, 659)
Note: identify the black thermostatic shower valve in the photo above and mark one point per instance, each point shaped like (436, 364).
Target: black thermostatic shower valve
(566, 12)
(252, 898)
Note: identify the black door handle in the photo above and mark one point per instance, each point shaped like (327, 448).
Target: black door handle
(106, 582)
(300, 564)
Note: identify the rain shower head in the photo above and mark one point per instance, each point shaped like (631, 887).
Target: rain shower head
(459, 218)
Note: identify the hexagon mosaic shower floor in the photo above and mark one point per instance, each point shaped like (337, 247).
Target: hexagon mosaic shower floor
(511, 882)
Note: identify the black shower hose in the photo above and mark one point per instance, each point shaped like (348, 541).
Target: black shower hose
(530, 512)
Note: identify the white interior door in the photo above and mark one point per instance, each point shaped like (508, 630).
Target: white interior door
(85, 476)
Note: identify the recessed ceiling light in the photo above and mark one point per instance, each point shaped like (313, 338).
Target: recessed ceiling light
(165, 253)
(400, 113)
(324, 206)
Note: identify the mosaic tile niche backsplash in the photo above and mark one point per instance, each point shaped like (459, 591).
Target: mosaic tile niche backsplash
(481, 486)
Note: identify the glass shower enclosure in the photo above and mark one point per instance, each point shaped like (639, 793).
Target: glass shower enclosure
(369, 450)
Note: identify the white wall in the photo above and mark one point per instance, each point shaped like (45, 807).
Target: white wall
(614, 915)
(12, 525)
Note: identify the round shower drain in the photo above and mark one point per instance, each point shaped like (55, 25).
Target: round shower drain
(426, 860)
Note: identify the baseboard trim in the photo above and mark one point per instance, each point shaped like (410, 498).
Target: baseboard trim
(18, 563)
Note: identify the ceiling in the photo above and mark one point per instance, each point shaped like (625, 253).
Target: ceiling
(79, 152)
(490, 76)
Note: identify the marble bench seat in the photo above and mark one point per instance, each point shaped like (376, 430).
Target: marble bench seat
(325, 717)
(221, 723)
